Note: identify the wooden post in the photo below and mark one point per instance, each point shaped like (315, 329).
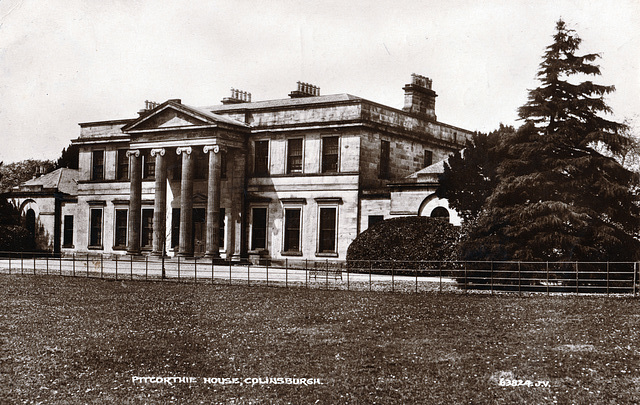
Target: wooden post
(607, 278)
(178, 269)
(195, 269)
(370, 275)
(116, 267)
(101, 265)
(286, 272)
(87, 264)
(577, 280)
(131, 266)
(146, 267)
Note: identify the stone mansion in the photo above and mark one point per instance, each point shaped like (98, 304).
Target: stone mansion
(298, 177)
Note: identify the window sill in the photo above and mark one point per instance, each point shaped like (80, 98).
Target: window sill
(326, 254)
(68, 246)
(291, 253)
(119, 248)
(95, 247)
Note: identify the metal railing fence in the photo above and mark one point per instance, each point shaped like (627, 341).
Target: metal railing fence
(620, 278)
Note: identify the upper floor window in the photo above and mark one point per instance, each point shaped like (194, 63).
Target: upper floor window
(428, 158)
(294, 156)
(149, 165)
(330, 154)
(201, 164)
(97, 172)
(223, 164)
(122, 168)
(385, 151)
(261, 161)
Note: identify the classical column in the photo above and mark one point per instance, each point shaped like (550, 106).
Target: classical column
(186, 202)
(213, 202)
(135, 201)
(160, 203)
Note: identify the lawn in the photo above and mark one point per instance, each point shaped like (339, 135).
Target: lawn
(66, 340)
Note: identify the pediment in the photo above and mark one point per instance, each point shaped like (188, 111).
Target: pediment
(174, 115)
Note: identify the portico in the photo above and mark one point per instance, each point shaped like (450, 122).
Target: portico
(172, 137)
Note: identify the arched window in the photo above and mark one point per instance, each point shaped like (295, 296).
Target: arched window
(440, 212)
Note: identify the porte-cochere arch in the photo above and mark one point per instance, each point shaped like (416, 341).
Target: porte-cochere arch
(435, 207)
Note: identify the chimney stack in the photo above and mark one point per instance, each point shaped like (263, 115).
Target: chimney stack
(148, 105)
(237, 97)
(305, 90)
(419, 98)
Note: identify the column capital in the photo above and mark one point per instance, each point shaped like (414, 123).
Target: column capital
(134, 152)
(214, 148)
(157, 151)
(185, 149)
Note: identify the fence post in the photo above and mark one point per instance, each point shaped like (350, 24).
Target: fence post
(393, 265)
(440, 274)
(306, 273)
(547, 278)
(178, 269)
(465, 277)
(10, 262)
(326, 274)
(577, 281)
(249, 274)
(116, 267)
(608, 277)
(267, 269)
(60, 263)
(21, 264)
(101, 265)
(229, 270)
(635, 273)
(491, 277)
(519, 278)
(74, 264)
(286, 272)
(347, 268)
(416, 271)
(34, 264)
(131, 267)
(146, 268)
(212, 270)
(87, 264)
(46, 259)
(370, 268)
(195, 270)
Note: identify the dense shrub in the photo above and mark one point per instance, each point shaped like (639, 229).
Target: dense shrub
(403, 241)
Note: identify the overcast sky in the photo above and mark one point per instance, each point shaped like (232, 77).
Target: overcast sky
(68, 61)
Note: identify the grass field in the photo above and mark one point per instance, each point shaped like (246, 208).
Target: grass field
(66, 340)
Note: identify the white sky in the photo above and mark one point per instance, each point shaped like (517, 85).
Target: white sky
(68, 61)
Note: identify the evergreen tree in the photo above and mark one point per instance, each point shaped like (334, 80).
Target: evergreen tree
(557, 197)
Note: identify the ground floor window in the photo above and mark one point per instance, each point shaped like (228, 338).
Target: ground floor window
(120, 231)
(67, 234)
(95, 225)
(327, 230)
(147, 228)
(259, 228)
(292, 229)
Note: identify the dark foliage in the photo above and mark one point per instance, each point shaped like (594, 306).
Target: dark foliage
(13, 174)
(13, 235)
(470, 176)
(69, 157)
(403, 241)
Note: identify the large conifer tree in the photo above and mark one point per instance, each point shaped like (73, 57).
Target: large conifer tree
(557, 197)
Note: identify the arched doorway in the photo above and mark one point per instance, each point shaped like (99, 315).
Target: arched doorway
(30, 219)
